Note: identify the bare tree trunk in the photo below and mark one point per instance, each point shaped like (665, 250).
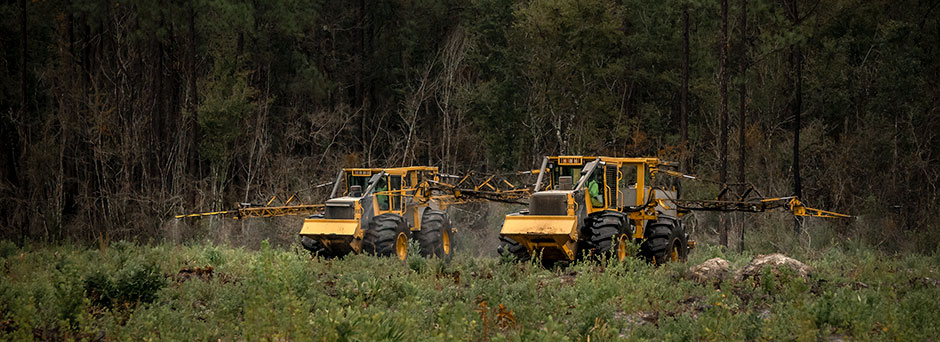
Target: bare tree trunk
(359, 100)
(742, 90)
(742, 110)
(23, 37)
(796, 106)
(684, 93)
(797, 111)
(22, 111)
(193, 103)
(723, 92)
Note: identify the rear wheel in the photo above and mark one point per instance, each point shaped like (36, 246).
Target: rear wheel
(665, 241)
(387, 235)
(434, 236)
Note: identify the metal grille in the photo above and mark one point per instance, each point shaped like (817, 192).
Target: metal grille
(340, 212)
(549, 204)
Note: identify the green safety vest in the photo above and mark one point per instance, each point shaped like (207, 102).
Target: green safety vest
(594, 192)
(383, 199)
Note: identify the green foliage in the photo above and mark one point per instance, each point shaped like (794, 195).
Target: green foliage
(130, 286)
(228, 100)
(213, 255)
(99, 289)
(279, 294)
(7, 248)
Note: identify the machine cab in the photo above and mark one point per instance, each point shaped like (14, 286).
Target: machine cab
(378, 190)
(350, 187)
(608, 183)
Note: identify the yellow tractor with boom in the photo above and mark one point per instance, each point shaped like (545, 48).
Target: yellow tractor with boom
(593, 206)
(378, 211)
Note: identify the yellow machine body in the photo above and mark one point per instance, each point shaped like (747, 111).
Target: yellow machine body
(554, 236)
(626, 189)
(406, 194)
(336, 227)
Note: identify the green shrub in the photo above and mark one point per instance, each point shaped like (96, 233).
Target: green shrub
(277, 294)
(7, 248)
(99, 289)
(213, 256)
(132, 285)
(139, 283)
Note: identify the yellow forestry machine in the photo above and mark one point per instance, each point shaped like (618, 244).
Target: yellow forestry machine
(378, 210)
(592, 206)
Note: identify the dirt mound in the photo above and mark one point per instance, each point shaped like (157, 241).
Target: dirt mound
(714, 269)
(775, 262)
(191, 273)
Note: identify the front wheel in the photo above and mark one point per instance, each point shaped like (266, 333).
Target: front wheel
(512, 249)
(603, 232)
(387, 235)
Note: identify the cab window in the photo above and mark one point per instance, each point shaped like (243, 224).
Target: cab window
(381, 191)
(395, 198)
(573, 171)
(361, 181)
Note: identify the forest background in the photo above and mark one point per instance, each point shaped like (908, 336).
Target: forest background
(116, 115)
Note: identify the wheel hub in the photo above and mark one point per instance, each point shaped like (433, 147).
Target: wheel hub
(445, 239)
(674, 252)
(401, 246)
(622, 248)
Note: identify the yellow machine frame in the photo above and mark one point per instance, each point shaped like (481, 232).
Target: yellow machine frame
(331, 232)
(559, 233)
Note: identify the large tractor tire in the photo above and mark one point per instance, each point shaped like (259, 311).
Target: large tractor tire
(316, 248)
(313, 246)
(435, 234)
(387, 235)
(510, 248)
(665, 241)
(602, 232)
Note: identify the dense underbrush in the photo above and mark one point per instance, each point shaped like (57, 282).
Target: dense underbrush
(207, 292)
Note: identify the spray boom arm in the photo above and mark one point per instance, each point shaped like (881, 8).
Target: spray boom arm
(745, 203)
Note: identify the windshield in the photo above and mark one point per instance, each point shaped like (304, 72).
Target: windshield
(361, 181)
(573, 171)
(376, 179)
(358, 181)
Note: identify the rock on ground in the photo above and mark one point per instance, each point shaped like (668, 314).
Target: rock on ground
(776, 262)
(714, 269)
